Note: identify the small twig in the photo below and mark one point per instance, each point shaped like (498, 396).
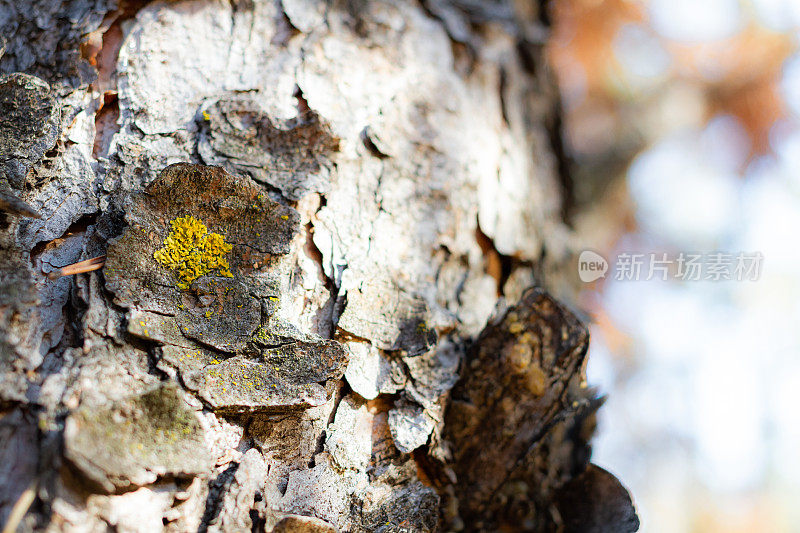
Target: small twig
(95, 263)
(20, 508)
(11, 204)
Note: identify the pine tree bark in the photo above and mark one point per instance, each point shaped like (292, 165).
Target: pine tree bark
(331, 232)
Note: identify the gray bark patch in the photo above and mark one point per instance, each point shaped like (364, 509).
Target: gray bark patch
(294, 155)
(136, 440)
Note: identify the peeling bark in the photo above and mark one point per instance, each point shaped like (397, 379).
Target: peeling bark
(379, 185)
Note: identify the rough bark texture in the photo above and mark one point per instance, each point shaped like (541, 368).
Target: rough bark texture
(380, 181)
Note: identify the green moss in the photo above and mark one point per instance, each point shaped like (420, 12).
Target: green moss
(165, 412)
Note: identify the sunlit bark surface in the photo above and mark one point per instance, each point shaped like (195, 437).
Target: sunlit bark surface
(331, 231)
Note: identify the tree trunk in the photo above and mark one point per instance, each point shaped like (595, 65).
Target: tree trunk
(319, 221)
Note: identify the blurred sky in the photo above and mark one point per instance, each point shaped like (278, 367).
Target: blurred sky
(702, 98)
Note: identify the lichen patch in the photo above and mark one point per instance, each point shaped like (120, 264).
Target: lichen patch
(212, 300)
(191, 251)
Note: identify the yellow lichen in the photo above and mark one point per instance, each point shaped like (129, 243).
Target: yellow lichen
(191, 251)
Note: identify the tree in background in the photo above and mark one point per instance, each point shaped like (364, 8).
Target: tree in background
(330, 230)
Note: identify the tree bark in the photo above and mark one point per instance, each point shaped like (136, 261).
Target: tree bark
(322, 222)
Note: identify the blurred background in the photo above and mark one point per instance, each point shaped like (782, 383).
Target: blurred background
(683, 121)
